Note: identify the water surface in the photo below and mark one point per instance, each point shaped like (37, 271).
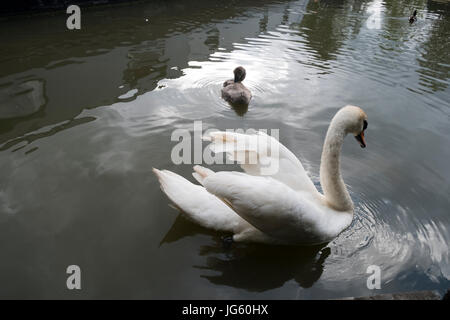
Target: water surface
(85, 115)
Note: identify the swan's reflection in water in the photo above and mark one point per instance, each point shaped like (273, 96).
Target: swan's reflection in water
(275, 265)
(253, 267)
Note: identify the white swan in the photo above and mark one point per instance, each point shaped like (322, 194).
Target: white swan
(283, 208)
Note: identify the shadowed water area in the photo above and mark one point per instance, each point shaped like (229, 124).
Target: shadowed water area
(85, 115)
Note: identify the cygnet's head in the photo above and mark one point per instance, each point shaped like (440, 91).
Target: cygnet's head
(239, 74)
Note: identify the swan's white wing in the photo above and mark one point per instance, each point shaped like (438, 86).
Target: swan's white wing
(262, 155)
(271, 206)
(206, 209)
(196, 203)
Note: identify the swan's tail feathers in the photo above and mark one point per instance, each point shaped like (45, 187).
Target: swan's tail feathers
(201, 173)
(197, 204)
(170, 183)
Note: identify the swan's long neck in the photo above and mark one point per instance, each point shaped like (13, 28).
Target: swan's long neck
(333, 186)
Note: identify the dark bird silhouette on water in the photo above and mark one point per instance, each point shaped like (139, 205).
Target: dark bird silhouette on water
(413, 17)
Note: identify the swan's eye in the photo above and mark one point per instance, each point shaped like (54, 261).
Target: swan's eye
(365, 125)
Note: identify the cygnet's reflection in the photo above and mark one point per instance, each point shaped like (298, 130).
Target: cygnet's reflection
(240, 109)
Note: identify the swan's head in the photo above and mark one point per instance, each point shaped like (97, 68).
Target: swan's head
(354, 121)
(239, 74)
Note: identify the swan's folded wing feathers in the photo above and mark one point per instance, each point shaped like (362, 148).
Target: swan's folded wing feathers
(196, 203)
(261, 154)
(206, 209)
(200, 173)
(268, 205)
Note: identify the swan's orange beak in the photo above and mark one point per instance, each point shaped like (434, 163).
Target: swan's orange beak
(361, 140)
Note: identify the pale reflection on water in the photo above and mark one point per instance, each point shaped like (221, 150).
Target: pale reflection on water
(76, 183)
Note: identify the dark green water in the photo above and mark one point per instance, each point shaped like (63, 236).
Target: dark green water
(76, 155)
